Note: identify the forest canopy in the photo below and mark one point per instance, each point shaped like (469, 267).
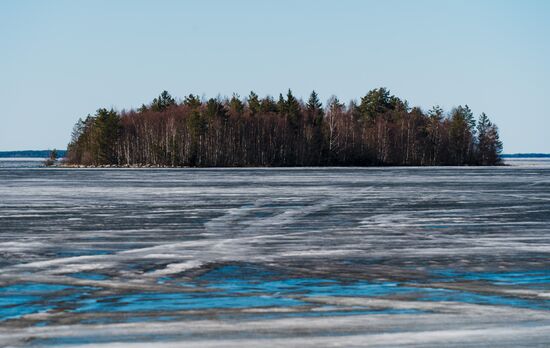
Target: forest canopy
(379, 129)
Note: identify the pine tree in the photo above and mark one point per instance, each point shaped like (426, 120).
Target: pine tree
(192, 101)
(107, 130)
(268, 105)
(214, 108)
(236, 106)
(495, 145)
(489, 145)
(433, 132)
(315, 112)
(293, 113)
(53, 155)
(376, 102)
(163, 102)
(315, 108)
(281, 105)
(253, 103)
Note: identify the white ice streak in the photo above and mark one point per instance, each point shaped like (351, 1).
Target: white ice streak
(457, 325)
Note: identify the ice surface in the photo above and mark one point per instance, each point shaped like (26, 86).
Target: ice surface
(300, 256)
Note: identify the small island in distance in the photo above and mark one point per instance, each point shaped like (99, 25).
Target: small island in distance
(379, 130)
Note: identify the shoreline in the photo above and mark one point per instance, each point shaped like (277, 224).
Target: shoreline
(160, 166)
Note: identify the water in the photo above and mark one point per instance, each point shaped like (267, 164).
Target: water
(299, 256)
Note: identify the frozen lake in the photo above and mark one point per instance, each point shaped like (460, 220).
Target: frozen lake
(307, 257)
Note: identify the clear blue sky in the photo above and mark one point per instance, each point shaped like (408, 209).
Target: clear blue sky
(60, 60)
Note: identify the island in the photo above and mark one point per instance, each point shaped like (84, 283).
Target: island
(378, 130)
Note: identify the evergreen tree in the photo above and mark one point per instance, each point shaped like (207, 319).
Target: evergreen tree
(53, 155)
(253, 103)
(483, 125)
(52, 158)
(214, 108)
(197, 128)
(293, 113)
(281, 105)
(469, 117)
(106, 132)
(192, 101)
(433, 134)
(236, 106)
(489, 144)
(495, 146)
(461, 134)
(268, 105)
(315, 108)
(77, 131)
(376, 102)
(163, 102)
(315, 112)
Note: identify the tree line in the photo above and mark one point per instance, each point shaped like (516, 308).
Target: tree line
(379, 129)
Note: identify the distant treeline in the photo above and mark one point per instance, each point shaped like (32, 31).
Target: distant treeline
(526, 155)
(380, 129)
(30, 154)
